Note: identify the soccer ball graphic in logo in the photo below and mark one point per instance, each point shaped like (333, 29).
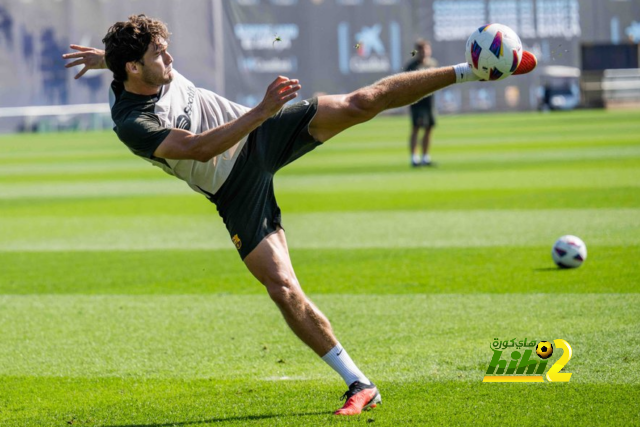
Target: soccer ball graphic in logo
(544, 349)
(569, 252)
(494, 52)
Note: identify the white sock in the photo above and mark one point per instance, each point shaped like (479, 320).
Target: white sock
(415, 158)
(339, 360)
(464, 73)
(426, 158)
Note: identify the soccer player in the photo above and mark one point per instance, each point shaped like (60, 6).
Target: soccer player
(229, 154)
(422, 113)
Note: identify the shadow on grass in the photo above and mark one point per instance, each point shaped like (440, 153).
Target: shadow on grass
(220, 420)
(550, 269)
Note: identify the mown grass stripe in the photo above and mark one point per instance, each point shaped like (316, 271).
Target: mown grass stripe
(505, 269)
(382, 229)
(214, 336)
(117, 402)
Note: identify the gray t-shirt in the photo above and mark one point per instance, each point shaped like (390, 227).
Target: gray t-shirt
(143, 122)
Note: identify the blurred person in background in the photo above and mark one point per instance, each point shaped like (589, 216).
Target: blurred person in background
(422, 112)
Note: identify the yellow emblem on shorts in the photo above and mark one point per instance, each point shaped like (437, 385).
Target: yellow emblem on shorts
(236, 241)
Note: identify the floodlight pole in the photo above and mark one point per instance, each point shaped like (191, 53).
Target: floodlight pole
(217, 20)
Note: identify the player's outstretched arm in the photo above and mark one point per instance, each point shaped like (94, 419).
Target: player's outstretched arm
(90, 57)
(181, 144)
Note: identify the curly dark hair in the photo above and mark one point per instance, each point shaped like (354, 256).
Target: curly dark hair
(128, 41)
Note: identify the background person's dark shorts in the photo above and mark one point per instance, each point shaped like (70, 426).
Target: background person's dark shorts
(246, 201)
(422, 113)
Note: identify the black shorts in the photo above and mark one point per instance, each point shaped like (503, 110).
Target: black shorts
(246, 201)
(422, 113)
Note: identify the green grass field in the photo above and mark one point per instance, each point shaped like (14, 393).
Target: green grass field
(123, 302)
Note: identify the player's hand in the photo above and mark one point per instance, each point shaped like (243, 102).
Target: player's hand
(90, 57)
(281, 91)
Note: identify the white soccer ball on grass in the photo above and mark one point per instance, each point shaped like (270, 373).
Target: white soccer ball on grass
(569, 252)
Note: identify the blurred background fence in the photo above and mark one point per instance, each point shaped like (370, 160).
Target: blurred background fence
(588, 51)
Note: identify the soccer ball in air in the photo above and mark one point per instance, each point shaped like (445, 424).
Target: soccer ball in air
(544, 349)
(494, 52)
(569, 252)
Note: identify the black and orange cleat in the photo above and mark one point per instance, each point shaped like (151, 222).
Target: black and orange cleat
(359, 398)
(527, 64)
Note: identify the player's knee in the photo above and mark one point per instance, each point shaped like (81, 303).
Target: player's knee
(363, 104)
(283, 289)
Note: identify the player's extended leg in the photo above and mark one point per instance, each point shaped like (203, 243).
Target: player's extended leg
(339, 112)
(270, 263)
